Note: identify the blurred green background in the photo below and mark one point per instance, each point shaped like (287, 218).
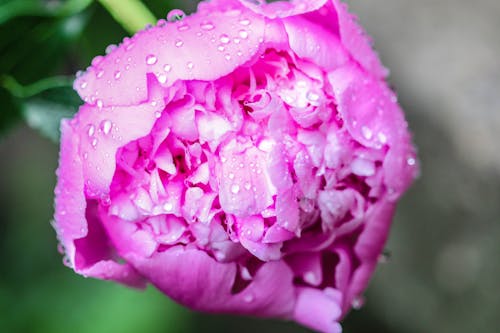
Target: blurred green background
(444, 271)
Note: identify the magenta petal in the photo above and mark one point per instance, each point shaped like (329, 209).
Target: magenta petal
(357, 41)
(170, 54)
(103, 131)
(313, 42)
(70, 201)
(204, 284)
(325, 306)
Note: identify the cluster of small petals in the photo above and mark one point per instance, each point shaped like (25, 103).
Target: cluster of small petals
(245, 159)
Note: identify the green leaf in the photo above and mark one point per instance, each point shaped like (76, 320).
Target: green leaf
(10, 9)
(10, 113)
(44, 103)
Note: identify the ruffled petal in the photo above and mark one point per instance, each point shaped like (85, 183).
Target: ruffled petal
(202, 283)
(171, 52)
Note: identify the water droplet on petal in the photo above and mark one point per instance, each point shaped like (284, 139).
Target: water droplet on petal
(167, 68)
(157, 114)
(190, 65)
(243, 34)
(183, 27)
(248, 186)
(367, 133)
(151, 59)
(381, 137)
(221, 48)
(106, 126)
(161, 23)
(110, 48)
(248, 298)
(99, 74)
(207, 26)
(99, 104)
(235, 188)
(224, 39)
(179, 43)
(117, 75)
(227, 56)
(411, 161)
(83, 85)
(312, 96)
(94, 142)
(358, 302)
(97, 60)
(162, 78)
(384, 257)
(231, 175)
(175, 15)
(245, 21)
(168, 206)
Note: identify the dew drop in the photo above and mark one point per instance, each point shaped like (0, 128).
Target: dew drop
(381, 137)
(235, 188)
(183, 27)
(179, 43)
(151, 59)
(83, 85)
(236, 40)
(248, 298)
(358, 302)
(190, 65)
(231, 175)
(106, 126)
(312, 96)
(384, 257)
(97, 60)
(117, 75)
(367, 133)
(411, 161)
(243, 34)
(227, 56)
(248, 186)
(161, 23)
(162, 78)
(224, 39)
(157, 114)
(129, 47)
(245, 21)
(168, 206)
(94, 142)
(99, 104)
(110, 48)
(175, 15)
(207, 26)
(221, 48)
(99, 74)
(167, 68)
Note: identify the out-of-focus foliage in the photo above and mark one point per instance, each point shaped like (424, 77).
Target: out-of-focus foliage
(444, 272)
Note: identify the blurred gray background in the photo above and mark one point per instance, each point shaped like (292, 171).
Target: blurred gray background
(443, 274)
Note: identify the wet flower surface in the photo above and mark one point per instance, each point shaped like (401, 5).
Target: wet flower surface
(245, 159)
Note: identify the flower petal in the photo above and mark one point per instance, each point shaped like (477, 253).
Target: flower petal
(172, 53)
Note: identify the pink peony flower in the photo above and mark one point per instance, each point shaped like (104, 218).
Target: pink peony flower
(245, 159)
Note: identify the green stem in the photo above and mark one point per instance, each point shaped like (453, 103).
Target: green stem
(132, 15)
(20, 91)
